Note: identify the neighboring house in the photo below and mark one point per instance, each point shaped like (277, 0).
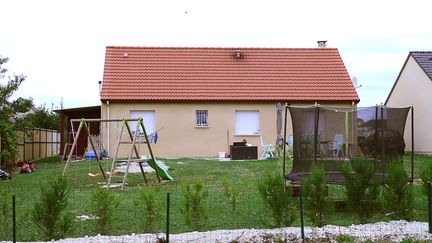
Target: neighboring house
(413, 86)
(201, 100)
(21, 115)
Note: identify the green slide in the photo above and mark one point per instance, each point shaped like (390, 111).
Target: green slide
(162, 172)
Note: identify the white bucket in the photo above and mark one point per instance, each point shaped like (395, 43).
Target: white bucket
(221, 155)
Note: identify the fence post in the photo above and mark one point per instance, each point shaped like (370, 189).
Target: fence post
(167, 216)
(429, 192)
(301, 212)
(13, 219)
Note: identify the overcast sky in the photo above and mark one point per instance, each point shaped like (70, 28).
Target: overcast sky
(60, 45)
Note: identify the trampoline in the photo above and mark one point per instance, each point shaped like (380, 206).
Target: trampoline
(332, 136)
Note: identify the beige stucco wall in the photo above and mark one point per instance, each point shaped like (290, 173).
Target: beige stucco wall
(415, 88)
(179, 137)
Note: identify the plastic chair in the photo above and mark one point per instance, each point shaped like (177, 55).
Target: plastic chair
(290, 142)
(266, 149)
(336, 145)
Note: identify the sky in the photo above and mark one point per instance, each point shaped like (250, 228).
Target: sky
(60, 44)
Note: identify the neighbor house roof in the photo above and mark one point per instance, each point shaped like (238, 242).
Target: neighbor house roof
(225, 74)
(423, 59)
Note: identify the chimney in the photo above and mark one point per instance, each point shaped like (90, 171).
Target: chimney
(238, 54)
(322, 43)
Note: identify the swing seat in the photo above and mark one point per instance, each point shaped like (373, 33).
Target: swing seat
(109, 173)
(93, 175)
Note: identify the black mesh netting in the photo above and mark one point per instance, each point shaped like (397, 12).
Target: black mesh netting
(330, 137)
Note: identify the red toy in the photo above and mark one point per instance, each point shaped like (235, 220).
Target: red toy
(27, 168)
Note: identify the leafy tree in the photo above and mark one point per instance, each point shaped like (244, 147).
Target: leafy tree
(8, 109)
(41, 118)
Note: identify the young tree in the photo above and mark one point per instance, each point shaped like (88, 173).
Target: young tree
(277, 199)
(8, 109)
(49, 212)
(362, 188)
(318, 205)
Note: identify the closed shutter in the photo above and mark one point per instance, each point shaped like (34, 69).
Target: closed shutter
(247, 123)
(148, 118)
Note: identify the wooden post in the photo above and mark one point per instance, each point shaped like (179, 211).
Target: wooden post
(115, 156)
(132, 137)
(73, 147)
(141, 122)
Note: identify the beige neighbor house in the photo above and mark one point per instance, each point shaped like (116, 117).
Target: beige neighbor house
(413, 86)
(201, 100)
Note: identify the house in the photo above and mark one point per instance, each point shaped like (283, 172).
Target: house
(413, 86)
(201, 100)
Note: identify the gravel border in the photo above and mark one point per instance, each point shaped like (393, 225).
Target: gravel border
(393, 231)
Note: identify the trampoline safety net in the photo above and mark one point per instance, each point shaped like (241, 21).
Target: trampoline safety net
(329, 136)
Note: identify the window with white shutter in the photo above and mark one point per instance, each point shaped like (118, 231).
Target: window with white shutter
(149, 120)
(247, 123)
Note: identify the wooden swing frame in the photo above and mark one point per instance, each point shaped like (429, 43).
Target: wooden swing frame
(133, 137)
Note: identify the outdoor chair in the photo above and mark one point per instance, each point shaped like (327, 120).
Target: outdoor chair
(266, 149)
(290, 142)
(336, 145)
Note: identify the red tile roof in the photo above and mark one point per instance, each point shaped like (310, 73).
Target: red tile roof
(217, 74)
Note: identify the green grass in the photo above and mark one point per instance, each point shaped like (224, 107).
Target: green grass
(251, 210)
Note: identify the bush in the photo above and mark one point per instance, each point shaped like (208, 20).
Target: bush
(362, 188)
(5, 215)
(233, 196)
(49, 213)
(426, 174)
(150, 211)
(318, 205)
(277, 199)
(103, 206)
(194, 207)
(398, 194)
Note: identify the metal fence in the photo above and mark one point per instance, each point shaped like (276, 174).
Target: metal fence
(242, 227)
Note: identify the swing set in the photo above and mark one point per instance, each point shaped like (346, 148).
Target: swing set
(133, 140)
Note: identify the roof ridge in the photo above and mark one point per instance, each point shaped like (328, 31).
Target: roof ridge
(221, 48)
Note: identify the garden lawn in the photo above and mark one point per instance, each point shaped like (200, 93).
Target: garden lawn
(127, 219)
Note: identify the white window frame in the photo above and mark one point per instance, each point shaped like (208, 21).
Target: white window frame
(201, 118)
(247, 122)
(149, 118)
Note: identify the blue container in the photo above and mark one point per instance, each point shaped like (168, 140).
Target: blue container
(90, 156)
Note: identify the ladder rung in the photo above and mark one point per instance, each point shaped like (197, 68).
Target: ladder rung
(130, 142)
(132, 160)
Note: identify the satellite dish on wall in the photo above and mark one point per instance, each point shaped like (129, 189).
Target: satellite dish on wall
(354, 81)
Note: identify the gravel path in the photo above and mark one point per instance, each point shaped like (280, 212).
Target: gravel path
(393, 231)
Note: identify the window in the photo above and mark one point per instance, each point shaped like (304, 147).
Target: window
(148, 118)
(201, 118)
(247, 123)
